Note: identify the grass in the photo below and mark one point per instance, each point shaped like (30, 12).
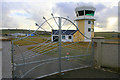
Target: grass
(36, 36)
(73, 50)
(108, 35)
(30, 41)
(51, 49)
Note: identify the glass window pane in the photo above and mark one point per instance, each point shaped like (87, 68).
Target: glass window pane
(89, 22)
(81, 13)
(63, 37)
(89, 29)
(89, 13)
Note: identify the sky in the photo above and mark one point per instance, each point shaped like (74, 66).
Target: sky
(24, 14)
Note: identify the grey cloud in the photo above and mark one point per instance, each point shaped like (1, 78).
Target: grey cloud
(63, 9)
(119, 16)
(9, 22)
(68, 8)
(101, 16)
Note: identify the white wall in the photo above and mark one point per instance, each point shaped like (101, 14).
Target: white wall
(88, 34)
(64, 40)
(106, 53)
(109, 55)
(0, 60)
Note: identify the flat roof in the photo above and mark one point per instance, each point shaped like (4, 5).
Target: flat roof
(64, 32)
(79, 8)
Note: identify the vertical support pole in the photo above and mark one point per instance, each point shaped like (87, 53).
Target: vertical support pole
(59, 44)
(92, 56)
(12, 60)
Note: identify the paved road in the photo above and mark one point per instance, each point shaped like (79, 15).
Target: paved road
(88, 73)
(41, 68)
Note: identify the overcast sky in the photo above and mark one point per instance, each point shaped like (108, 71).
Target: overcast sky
(24, 14)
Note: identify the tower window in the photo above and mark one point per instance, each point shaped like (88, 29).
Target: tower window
(81, 13)
(89, 13)
(89, 22)
(89, 29)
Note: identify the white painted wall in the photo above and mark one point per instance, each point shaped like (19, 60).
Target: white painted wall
(64, 40)
(88, 34)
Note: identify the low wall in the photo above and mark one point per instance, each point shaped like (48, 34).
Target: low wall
(110, 54)
(0, 60)
(106, 53)
(5, 57)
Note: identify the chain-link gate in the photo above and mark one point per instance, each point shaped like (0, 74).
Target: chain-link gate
(49, 52)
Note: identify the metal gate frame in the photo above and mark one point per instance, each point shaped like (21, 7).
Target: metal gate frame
(59, 25)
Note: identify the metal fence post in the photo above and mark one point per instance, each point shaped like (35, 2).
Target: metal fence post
(59, 44)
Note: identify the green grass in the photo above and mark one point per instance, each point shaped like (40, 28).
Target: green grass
(36, 36)
(52, 49)
(107, 35)
(30, 41)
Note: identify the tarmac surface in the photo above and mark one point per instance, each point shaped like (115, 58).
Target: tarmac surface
(87, 73)
(38, 67)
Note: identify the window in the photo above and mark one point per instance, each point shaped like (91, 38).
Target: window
(63, 37)
(89, 22)
(89, 29)
(89, 13)
(69, 37)
(55, 38)
(81, 13)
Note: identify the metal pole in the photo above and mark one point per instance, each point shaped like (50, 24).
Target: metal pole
(92, 52)
(59, 44)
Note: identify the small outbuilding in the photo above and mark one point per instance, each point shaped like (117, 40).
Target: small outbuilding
(66, 35)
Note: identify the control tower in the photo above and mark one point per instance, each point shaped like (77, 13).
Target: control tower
(85, 22)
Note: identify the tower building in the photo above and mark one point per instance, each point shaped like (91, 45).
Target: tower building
(85, 22)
